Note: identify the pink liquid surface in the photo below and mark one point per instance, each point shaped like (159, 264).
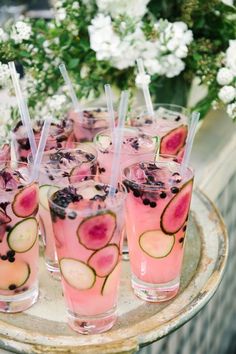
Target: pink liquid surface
(165, 121)
(135, 145)
(94, 120)
(60, 136)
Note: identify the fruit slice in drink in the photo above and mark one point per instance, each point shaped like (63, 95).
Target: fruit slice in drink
(23, 235)
(156, 244)
(25, 202)
(176, 211)
(77, 274)
(95, 232)
(104, 260)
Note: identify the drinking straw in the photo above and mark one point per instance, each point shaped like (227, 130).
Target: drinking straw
(41, 147)
(145, 89)
(23, 108)
(110, 109)
(118, 139)
(72, 93)
(189, 143)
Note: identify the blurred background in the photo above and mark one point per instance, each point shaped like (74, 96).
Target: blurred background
(33, 8)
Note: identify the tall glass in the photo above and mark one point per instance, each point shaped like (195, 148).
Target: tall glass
(58, 168)
(19, 251)
(60, 136)
(88, 227)
(170, 123)
(95, 119)
(157, 210)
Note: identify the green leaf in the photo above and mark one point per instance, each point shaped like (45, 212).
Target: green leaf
(73, 63)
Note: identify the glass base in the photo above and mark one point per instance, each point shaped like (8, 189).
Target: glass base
(20, 302)
(155, 292)
(92, 324)
(53, 268)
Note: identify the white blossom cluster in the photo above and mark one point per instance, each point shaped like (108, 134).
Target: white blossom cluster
(132, 8)
(162, 56)
(21, 31)
(4, 74)
(226, 77)
(3, 36)
(55, 106)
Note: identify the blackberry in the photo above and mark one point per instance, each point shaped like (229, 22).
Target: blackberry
(174, 190)
(136, 193)
(163, 195)
(146, 201)
(12, 287)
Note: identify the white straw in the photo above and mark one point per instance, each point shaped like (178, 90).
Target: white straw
(145, 89)
(72, 93)
(118, 140)
(23, 108)
(41, 147)
(189, 144)
(110, 109)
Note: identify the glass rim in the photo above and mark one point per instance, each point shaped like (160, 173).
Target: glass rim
(42, 164)
(143, 108)
(126, 128)
(149, 187)
(20, 164)
(114, 203)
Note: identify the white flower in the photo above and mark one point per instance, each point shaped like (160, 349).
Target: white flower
(231, 110)
(60, 15)
(231, 56)
(227, 94)
(21, 31)
(142, 79)
(56, 102)
(228, 2)
(3, 36)
(107, 44)
(161, 56)
(224, 76)
(4, 73)
(75, 5)
(132, 8)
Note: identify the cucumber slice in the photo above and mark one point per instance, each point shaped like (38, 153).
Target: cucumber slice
(44, 194)
(23, 235)
(111, 281)
(156, 244)
(13, 275)
(77, 274)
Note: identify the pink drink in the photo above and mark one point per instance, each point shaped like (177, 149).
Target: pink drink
(60, 168)
(170, 123)
(18, 239)
(60, 136)
(94, 120)
(5, 153)
(135, 145)
(157, 209)
(88, 228)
